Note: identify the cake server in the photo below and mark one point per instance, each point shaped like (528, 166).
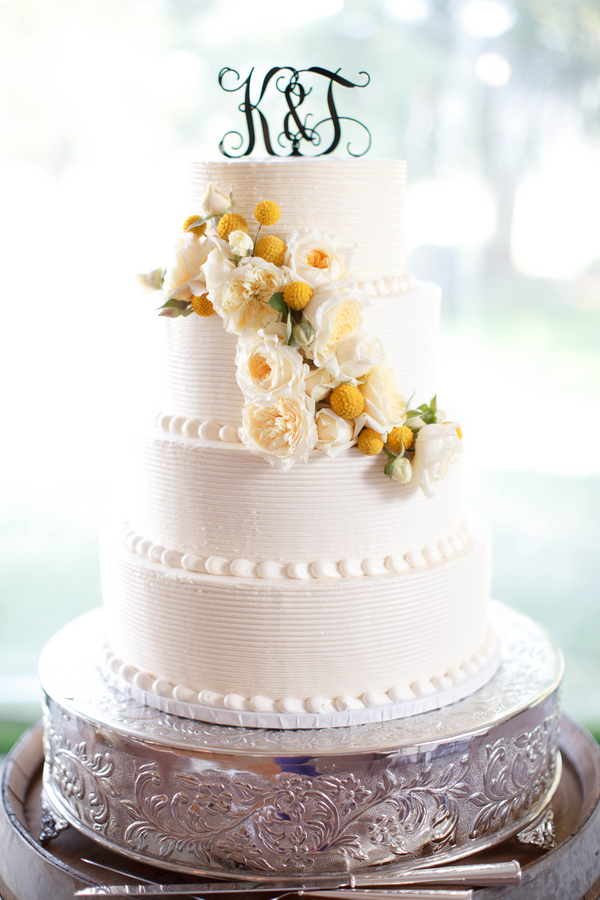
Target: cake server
(474, 875)
(174, 890)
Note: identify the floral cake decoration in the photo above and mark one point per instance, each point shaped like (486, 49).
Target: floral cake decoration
(312, 377)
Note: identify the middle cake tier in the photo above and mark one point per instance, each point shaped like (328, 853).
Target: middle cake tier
(219, 508)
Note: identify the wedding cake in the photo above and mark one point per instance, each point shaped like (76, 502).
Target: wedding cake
(297, 552)
(297, 563)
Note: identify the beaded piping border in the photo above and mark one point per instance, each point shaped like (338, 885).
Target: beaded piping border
(400, 701)
(430, 555)
(389, 284)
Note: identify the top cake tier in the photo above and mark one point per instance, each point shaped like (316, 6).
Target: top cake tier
(361, 200)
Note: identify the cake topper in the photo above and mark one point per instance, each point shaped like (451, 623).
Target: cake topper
(295, 129)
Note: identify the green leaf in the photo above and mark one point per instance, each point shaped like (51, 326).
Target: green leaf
(174, 304)
(390, 467)
(414, 413)
(187, 312)
(278, 303)
(433, 404)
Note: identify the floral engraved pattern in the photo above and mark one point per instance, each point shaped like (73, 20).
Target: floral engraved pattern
(83, 776)
(515, 777)
(295, 818)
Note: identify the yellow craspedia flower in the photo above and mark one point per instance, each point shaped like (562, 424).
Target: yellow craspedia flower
(348, 402)
(369, 442)
(202, 306)
(199, 229)
(267, 212)
(231, 222)
(399, 436)
(297, 294)
(271, 249)
(459, 433)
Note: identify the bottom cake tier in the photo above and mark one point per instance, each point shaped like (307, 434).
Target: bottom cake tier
(202, 798)
(282, 652)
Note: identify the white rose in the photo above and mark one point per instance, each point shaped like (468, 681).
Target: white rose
(282, 433)
(319, 384)
(317, 258)
(334, 433)
(400, 470)
(267, 368)
(241, 243)
(241, 294)
(385, 407)
(355, 357)
(215, 202)
(151, 281)
(184, 276)
(336, 314)
(436, 448)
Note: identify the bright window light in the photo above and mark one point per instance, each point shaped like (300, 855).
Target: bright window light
(359, 25)
(487, 18)
(449, 212)
(493, 69)
(408, 10)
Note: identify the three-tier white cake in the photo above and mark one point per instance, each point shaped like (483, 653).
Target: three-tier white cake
(240, 589)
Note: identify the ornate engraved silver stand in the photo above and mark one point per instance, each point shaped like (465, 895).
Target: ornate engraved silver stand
(212, 799)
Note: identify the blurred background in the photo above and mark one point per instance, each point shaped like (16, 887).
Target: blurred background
(496, 108)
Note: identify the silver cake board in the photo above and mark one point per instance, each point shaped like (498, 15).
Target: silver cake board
(247, 803)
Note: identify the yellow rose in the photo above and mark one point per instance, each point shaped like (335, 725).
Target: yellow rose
(335, 314)
(267, 367)
(334, 433)
(241, 295)
(385, 407)
(318, 258)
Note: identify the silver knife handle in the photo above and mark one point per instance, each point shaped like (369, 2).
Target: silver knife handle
(401, 893)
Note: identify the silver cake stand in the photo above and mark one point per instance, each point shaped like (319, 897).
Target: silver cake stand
(249, 803)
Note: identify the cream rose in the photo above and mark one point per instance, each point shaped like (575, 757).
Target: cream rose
(215, 202)
(184, 276)
(267, 368)
(355, 357)
(400, 470)
(334, 433)
(241, 295)
(317, 258)
(385, 407)
(319, 384)
(436, 448)
(335, 314)
(241, 243)
(282, 433)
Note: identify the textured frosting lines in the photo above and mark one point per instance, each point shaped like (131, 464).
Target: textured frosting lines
(218, 500)
(201, 355)
(362, 200)
(281, 638)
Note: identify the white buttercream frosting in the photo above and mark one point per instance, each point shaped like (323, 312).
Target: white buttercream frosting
(281, 638)
(361, 200)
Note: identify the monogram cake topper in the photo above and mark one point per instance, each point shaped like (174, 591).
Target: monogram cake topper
(295, 129)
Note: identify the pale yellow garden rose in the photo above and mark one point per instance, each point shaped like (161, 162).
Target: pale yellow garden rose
(400, 470)
(334, 433)
(436, 448)
(241, 294)
(355, 357)
(215, 201)
(317, 258)
(283, 433)
(385, 407)
(335, 314)
(267, 367)
(184, 276)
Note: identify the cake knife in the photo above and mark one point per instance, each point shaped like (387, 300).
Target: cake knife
(476, 875)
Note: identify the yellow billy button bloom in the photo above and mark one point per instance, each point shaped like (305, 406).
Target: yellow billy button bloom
(231, 222)
(202, 306)
(347, 401)
(369, 442)
(199, 229)
(399, 436)
(267, 212)
(270, 248)
(297, 294)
